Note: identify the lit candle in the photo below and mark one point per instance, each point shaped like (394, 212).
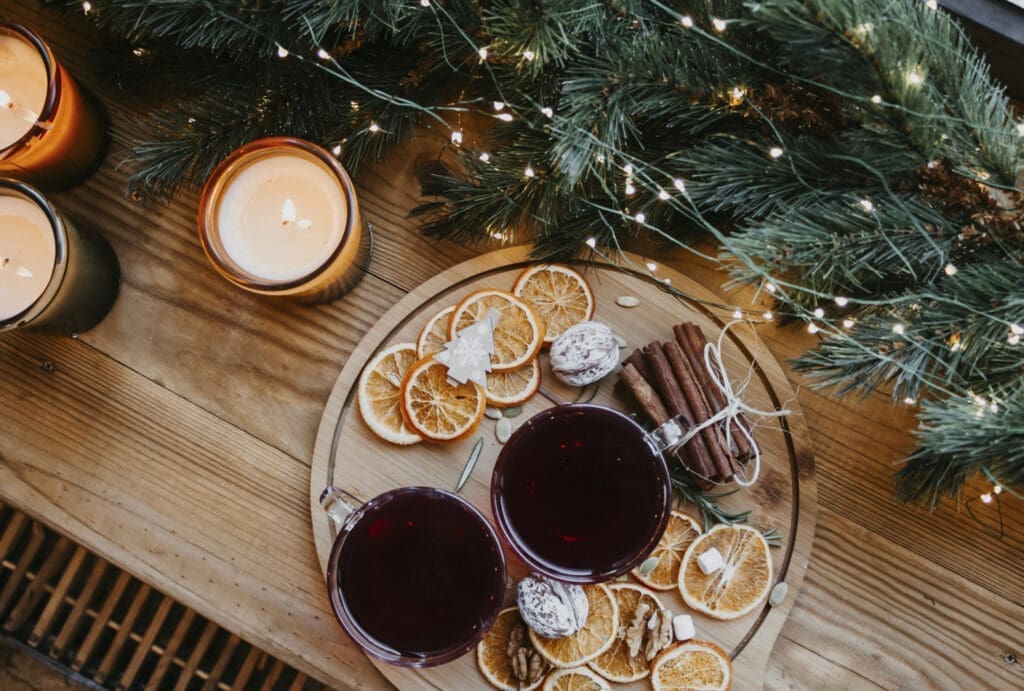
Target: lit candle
(55, 278)
(51, 134)
(280, 217)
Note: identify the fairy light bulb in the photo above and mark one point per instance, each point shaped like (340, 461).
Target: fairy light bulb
(679, 185)
(737, 314)
(899, 329)
(848, 323)
(548, 112)
(630, 189)
(812, 328)
(652, 267)
(457, 137)
(1016, 329)
(915, 78)
(628, 169)
(876, 99)
(768, 316)
(910, 400)
(950, 270)
(663, 195)
(336, 150)
(641, 218)
(819, 312)
(591, 243)
(842, 301)
(998, 489)
(867, 205)
(86, 7)
(374, 127)
(686, 21)
(282, 52)
(528, 172)
(322, 54)
(424, 3)
(931, 4)
(498, 106)
(1020, 128)
(771, 288)
(529, 54)
(505, 117)
(1013, 339)
(775, 152)
(485, 157)
(986, 498)
(719, 24)
(482, 53)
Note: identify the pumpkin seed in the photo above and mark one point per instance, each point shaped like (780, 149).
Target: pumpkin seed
(779, 593)
(648, 565)
(514, 411)
(503, 430)
(493, 413)
(627, 301)
(620, 341)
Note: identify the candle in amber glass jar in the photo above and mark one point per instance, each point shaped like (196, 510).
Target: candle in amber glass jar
(280, 217)
(50, 133)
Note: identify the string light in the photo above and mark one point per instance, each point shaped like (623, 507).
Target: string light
(987, 498)
(457, 137)
(482, 53)
(322, 54)
(548, 112)
(686, 21)
(770, 287)
(910, 400)
(354, 105)
(737, 314)
(374, 127)
(1013, 339)
(663, 195)
(630, 189)
(848, 323)
(719, 24)
(899, 329)
(819, 313)
(915, 78)
(86, 7)
(652, 267)
(867, 205)
(528, 172)
(768, 316)
(998, 489)
(876, 99)
(425, 3)
(529, 54)
(842, 301)
(931, 4)
(775, 152)
(950, 270)
(505, 117)
(679, 185)
(498, 106)
(1020, 128)
(812, 328)
(628, 169)
(591, 243)
(336, 150)
(1016, 329)
(641, 217)
(282, 52)
(485, 157)
(737, 93)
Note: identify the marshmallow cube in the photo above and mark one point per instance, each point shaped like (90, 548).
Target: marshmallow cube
(682, 626)
(710, 561)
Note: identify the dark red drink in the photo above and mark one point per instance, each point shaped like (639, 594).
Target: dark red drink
(580, 493)
(418, 577)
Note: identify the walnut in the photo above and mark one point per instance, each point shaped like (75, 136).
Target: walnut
(636, 629)
(659, 636)
(649, 632)
(528, 667)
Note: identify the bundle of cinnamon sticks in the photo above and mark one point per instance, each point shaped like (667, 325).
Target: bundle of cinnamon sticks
(672, 380)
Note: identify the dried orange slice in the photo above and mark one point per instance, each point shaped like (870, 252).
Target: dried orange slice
(436, 409)
(561, 296)
(575, 679)
(519, 334)
(492, 652)
(593, 639)
(616, 664)
(435, 333)
(379, 393)
(692, 665)
(680, 532)
(743, 581)
(506, 389)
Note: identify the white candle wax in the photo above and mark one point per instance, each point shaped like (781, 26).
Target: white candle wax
(282, 216)
(23, 85)
(27, 254)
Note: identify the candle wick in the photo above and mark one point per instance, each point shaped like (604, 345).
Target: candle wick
(4, 262)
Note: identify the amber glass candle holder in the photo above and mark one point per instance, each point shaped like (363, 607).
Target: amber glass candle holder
(280, 217)
(63, 128)
(55, 278)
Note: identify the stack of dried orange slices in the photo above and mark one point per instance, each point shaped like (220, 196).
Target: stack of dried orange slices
(405, 395)
(601, 655)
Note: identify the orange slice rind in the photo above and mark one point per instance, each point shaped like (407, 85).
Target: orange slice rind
(691, 665)
(680, 532)
(561, 296)
(519, 334)
(435, 333)
(492, 652)
(743, 581)
(379, 394)
(515, 387)
(436, 409)
(574, 679)
(593, 639)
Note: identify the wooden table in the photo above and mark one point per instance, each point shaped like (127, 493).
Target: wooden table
(175, 439)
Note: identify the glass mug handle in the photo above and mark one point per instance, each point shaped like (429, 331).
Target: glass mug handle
(669, 435)
(340, 506)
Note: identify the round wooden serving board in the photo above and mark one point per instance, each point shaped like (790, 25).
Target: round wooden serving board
(350, 456)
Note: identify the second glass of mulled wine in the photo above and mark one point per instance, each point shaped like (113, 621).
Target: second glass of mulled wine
(581, 493)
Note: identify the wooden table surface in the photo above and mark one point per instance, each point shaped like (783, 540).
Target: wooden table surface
(175, 439)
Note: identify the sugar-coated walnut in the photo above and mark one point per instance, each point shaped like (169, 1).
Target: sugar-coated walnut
(551, 608)
(584, 353)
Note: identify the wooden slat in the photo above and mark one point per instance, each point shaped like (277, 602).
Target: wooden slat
(241, 680)
(223, 658)
(49, 614)
(275, 673)
(144, 648)
(77, 616)
(202, 645)
(56, 561)
(124, 631)
(156, 679)
(37, 535)
(99, 625)
(12, 531)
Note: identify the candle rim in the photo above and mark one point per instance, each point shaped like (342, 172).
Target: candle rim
(26, 191)
(52, 83)
(213, 191)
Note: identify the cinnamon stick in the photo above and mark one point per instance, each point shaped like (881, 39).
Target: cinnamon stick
(687, 378)
(664, 382)
(691, 340)
(638, 361)
(644, 394)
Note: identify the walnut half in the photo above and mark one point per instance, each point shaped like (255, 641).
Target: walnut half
(649, 631)
(528, 667)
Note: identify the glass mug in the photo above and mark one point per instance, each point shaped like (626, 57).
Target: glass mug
(416, 575)
(581, 493)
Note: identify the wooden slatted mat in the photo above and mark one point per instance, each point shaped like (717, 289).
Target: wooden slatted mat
(112, 629)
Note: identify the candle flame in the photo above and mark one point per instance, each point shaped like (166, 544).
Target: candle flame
(288, 213)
